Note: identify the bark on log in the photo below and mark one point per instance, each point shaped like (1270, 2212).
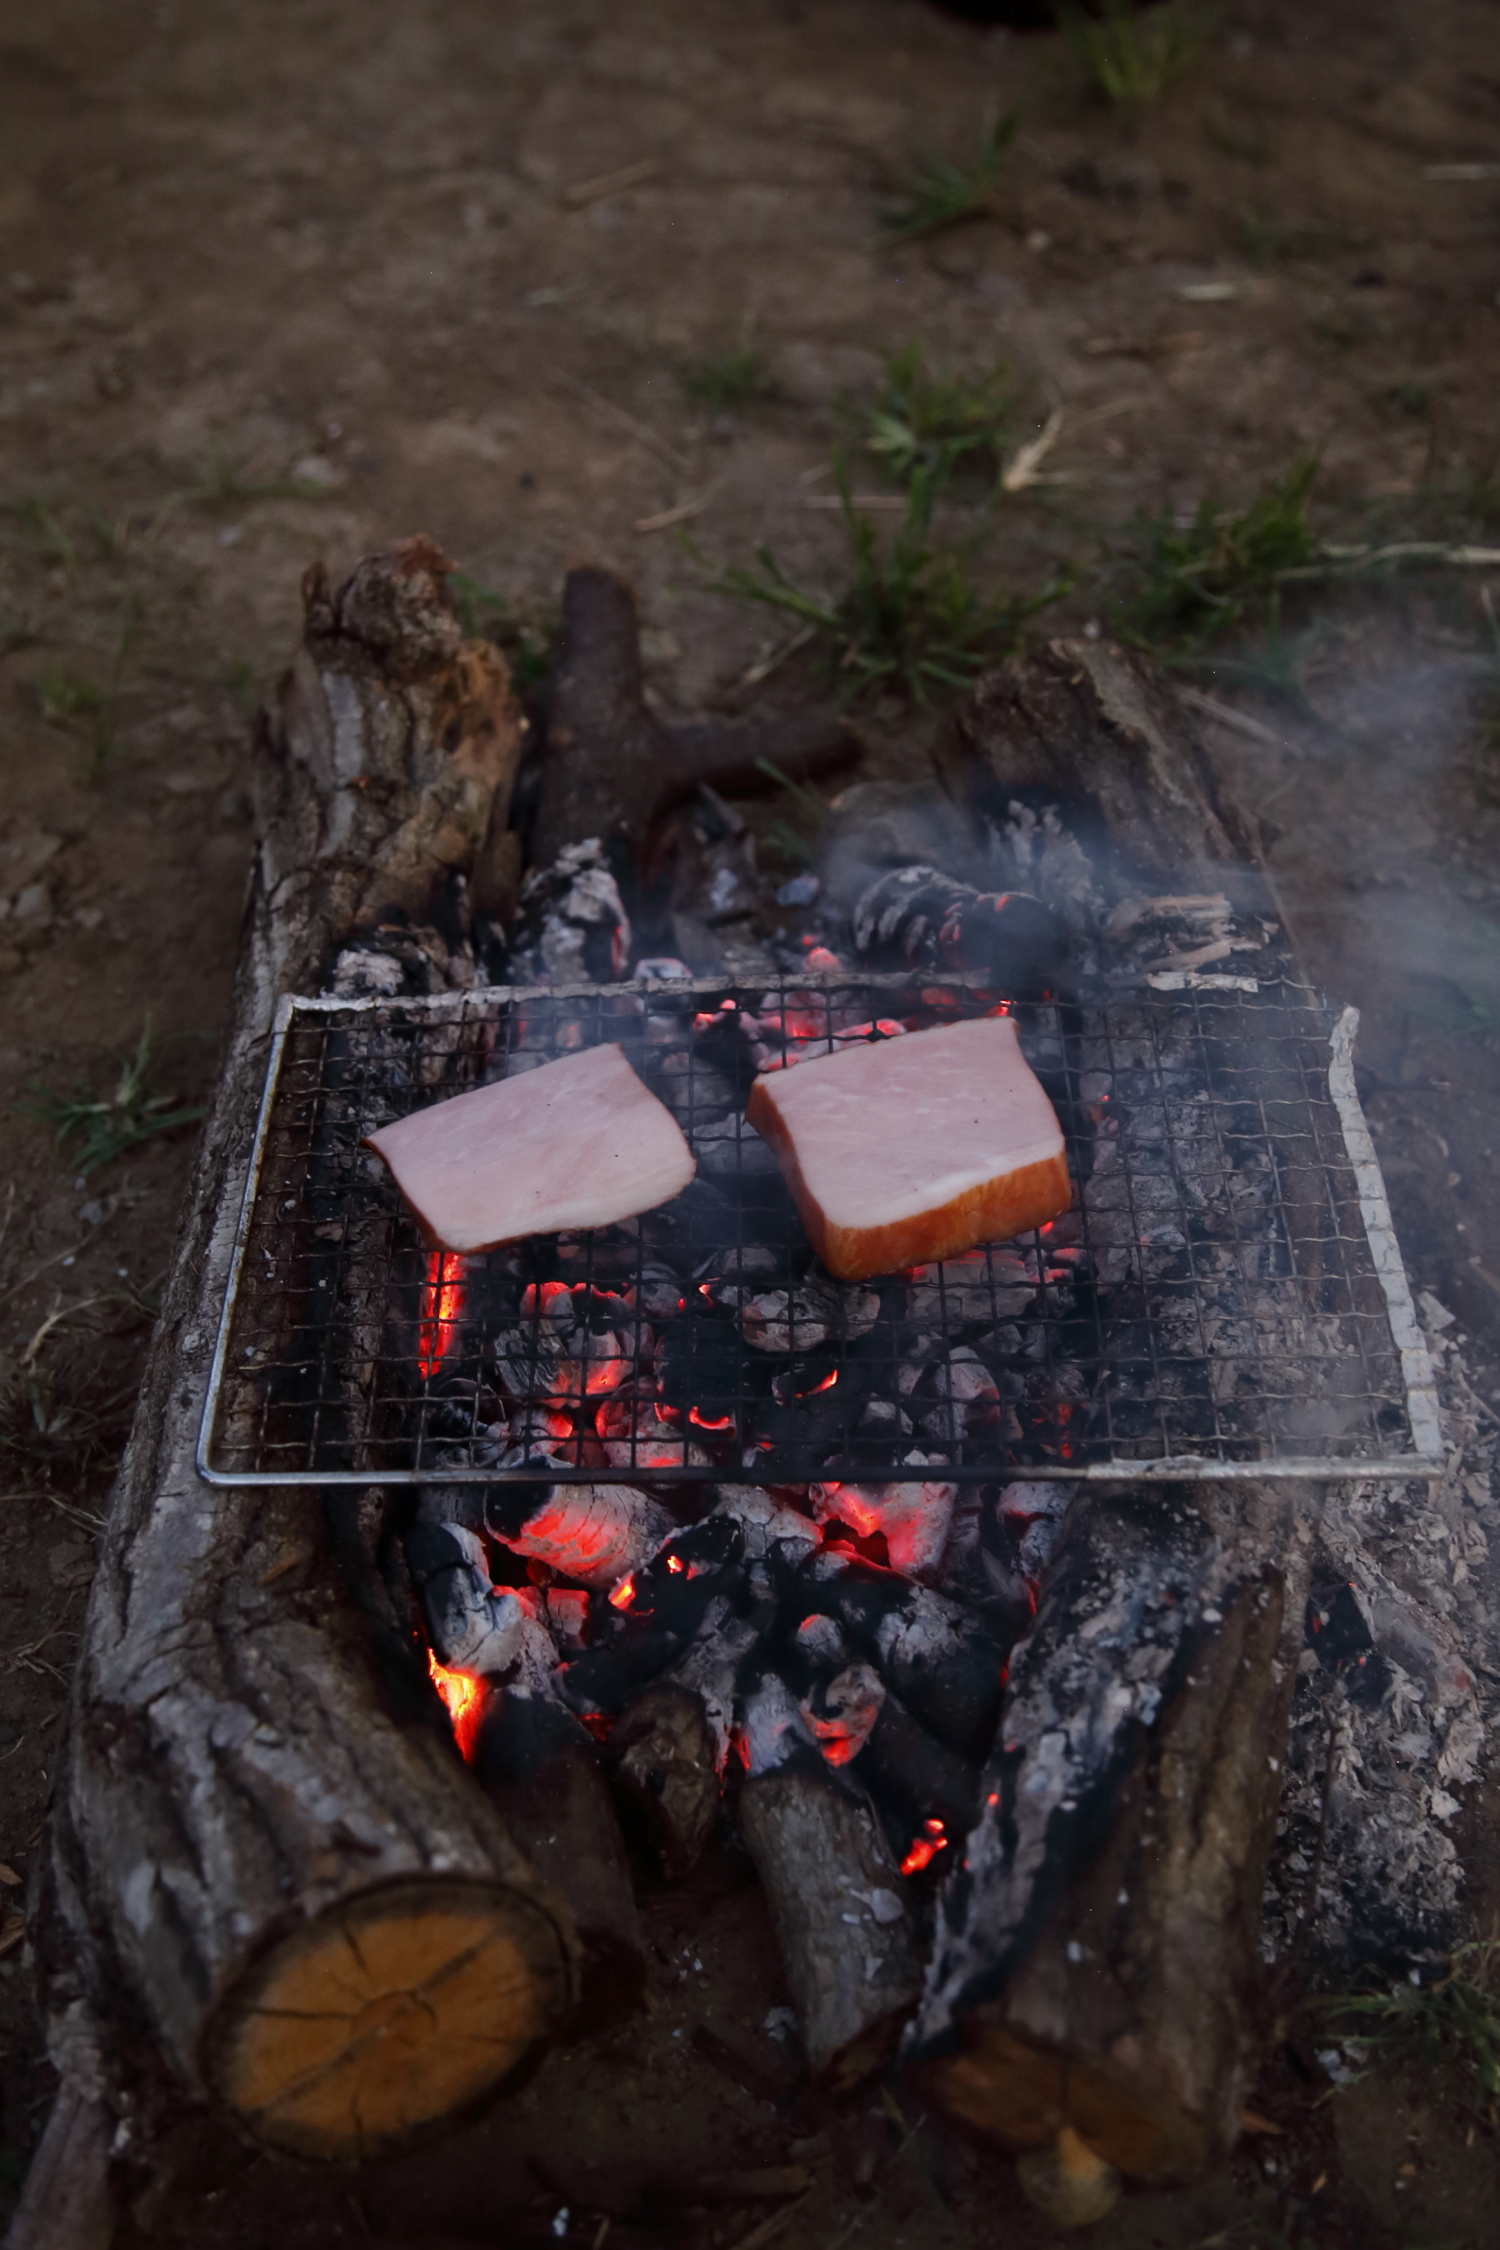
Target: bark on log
(66, 2203)
(260, 1885)
(613, 767)
(661, 1757)
(1096, 1958)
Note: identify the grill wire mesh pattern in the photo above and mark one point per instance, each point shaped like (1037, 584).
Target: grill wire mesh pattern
(1211, 1302)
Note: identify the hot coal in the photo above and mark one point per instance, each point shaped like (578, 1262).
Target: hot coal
(918, 917)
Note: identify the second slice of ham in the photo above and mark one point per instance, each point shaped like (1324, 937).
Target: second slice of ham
(580, 1142)
(910, 1150)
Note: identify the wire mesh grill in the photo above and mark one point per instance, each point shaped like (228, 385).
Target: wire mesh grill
(1213, 1304)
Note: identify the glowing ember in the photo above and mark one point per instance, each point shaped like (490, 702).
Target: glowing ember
(464, 1696)
(710, 1421)
(676, 1565)
(623, 1595)
(925, 1848)
(442, 1309)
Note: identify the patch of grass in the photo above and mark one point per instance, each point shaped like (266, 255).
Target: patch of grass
(724, 382)
(1133, 54)
(791, 842)
(224, 486)
(935, 423)
(101, 1130)
(1451, 2025)
(44, 531)
(63, 695)
(1220, 571)
(911, 616)
(941, 194)
(530, 650)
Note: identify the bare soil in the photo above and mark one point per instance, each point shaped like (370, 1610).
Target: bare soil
(282, 282)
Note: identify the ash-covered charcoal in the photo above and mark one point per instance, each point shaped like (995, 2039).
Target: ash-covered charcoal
(730, 1147)
(942, 1659)
(1147, 935)
(914, 1518)
(655, 1613)
(639, 1431)
(657, 1295)
(697, 1094)
(472, 1628)
(920, 918)
(815, 1311)
(996, 1282)
(528, 1722)
(719, 1658)
(802, 1425)
(594, 1533)
(764, 1521)
(839, 1712)
(959, 1400)
(535, 1364)
(1018, 1541)
(574, 927)
(926, 1793)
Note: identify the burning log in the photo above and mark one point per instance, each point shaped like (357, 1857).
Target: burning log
(239, 1825)
(613, 768)
(834, 1892)
(540, 1770)
(1096, 1955)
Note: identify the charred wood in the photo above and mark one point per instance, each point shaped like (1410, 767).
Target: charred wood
(1095, 1964)
(834, 1894)
(237, 1808)
(666, 1778)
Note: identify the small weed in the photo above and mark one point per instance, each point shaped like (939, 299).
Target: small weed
(911, 616)
(529, 650)
(933, 423)
(103, 1130)
(1217, 572)
(44, 531)
(1237, 140)
(941, 193)
(63, 694)
(1274, 665)
(1132, 55)
(1263, 238)
(224, 486)
(780, 834)
(723, 382)
(1452, 2024)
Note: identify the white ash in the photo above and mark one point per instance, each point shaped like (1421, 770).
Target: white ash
(764, 1520)
(1418, 1565)
(710, 1666)
(771, 1727)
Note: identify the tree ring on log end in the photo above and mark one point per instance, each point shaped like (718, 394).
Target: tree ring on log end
(1022, 2094)
(361, 2031)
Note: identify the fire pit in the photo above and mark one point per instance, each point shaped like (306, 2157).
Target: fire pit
(1222, 1301)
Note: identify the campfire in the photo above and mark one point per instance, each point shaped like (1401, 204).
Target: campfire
(966, 1599)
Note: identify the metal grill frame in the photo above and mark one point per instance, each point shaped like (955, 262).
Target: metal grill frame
(1361, 1227)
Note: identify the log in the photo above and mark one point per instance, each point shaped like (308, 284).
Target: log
(1095, 1966)
(661, 1758)
(834, 1894)
(1094, 1972)
(613, 767)
(261, 1886)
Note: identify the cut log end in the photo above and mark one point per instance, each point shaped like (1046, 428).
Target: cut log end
(389, 2015)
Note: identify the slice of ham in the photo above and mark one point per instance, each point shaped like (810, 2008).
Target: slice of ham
(914, 1149)
(579, 1142)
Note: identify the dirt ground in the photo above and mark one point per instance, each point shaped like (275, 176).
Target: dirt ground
(280, 282)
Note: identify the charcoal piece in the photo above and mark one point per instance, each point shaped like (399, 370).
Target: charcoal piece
(661, 1762)
(914, 1779)
(702, 1372)
(918, 917)
(944, 1662)
(471, 1628)
(657, 1614)
(834, 1895)
(989, 1284)
(764, 1521)
(594, 1533)
(816, 1310)
(722, 1655)
(535, 1365)
(730, 1148)
(540, 1770)
(912, 1515)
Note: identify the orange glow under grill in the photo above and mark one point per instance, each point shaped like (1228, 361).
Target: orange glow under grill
(464, 1696)
(442, 1310)
(925, 1848)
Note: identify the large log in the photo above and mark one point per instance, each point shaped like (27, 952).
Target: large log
(261, 1886)
(1097, 1953)
(1095, 1965)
